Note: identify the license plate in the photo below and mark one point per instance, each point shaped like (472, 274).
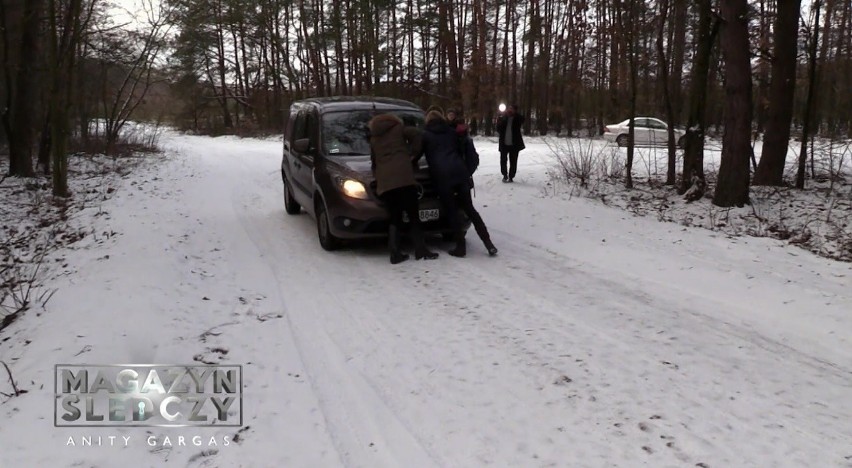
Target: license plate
(425, 215)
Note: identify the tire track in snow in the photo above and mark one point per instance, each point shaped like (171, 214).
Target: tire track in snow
(385, 286)
(503, 333)
(627, 321)
(679, 301)
(364, 430)
(375, 285)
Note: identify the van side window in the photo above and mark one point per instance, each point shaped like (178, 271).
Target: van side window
(299, 127)
(289, 120)
(311, 128)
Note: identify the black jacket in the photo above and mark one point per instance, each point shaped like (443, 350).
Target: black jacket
(445, 152)
(517, 137)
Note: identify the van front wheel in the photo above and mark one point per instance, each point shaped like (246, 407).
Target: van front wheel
(326, 238)
(291, 206)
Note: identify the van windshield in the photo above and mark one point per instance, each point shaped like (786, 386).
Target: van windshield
(345, 133)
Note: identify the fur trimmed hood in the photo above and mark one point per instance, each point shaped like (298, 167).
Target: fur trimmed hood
(382, 124)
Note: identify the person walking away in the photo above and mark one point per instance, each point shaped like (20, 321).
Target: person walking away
(511, 141)
(451, 175)
(392, 144)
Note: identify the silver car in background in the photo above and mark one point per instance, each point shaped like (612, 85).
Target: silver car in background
(648, 131)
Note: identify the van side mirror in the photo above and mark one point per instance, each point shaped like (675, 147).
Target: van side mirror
(302, 145)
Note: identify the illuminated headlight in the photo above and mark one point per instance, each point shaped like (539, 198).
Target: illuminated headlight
(353, 188)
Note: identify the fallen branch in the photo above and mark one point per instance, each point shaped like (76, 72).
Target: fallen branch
(12, 380)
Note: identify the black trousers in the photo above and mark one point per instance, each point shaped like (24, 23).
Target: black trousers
(458, 197)
(402, 200)
(510, 153)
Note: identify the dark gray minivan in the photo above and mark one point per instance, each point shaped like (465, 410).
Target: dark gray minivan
(326, 168)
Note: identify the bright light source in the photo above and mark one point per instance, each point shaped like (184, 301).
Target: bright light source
(354, 189)
(502, 107)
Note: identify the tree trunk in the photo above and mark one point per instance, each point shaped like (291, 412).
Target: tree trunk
(631, 53)
(732, 187)
(23, 98)
(770, 169)
(812, 80)
(529, 63)
(693, 183)
(829, 95)
(514, 78)
(63, 51)
(671, 172)
(677, 58)
(221, 67)
(766, 11)
(615, 57)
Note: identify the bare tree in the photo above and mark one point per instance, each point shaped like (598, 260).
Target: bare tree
(18, 116)
(693, 183)
(631, 55)
(812, 81)
(732, 186)
(66, 22)
(137, 59)
(770, 169)
(671, 173)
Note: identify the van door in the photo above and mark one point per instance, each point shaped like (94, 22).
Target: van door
(306, 127)
(289, 125)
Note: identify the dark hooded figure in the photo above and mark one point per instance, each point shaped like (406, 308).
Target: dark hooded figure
(456, 121)
(392, 145)
(452, 161)
(511, 141)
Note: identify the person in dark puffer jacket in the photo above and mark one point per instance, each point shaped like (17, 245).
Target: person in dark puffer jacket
(392, 145)
(452, 174)
(455, 119)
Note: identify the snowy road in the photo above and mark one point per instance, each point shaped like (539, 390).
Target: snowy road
(594, 339)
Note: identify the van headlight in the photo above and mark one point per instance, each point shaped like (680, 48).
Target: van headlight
(353, 188)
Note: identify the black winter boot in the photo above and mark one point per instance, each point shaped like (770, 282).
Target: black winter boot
(396, 255)
(492, 251)
(461, 246)
(420, 249)
(482, 232)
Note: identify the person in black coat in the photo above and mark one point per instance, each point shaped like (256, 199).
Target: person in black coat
(452, 160)
(456, 121)
(511, 141)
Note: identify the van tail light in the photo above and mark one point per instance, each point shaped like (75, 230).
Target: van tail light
(606, 129)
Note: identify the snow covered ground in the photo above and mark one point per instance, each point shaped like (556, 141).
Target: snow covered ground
(818, 218)
(595, 338)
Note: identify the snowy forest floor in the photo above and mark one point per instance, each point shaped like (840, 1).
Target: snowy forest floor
(818, 218)
(595, 338)
(36, 224)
